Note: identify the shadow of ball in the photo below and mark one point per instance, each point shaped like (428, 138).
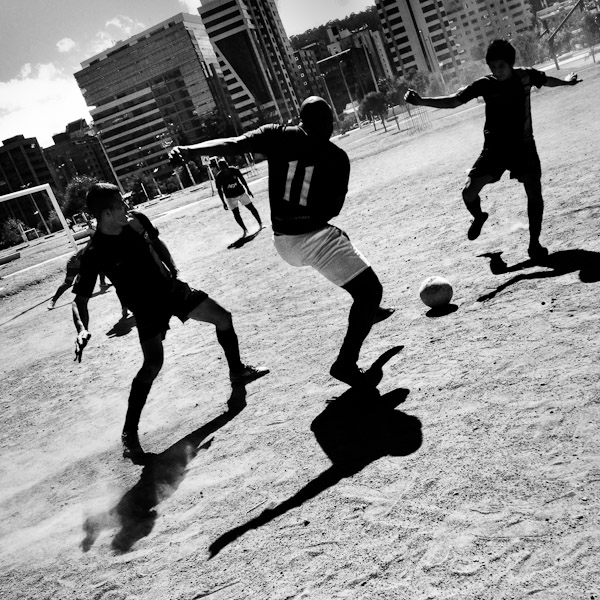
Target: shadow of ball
(436, 291)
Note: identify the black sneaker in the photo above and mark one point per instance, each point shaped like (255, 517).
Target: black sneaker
(537, 252)
(131, 447)
(350, 374)
(382, 314)
(247, 374)
(476, 226)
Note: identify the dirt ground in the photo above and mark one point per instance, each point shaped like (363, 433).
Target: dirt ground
(473, 472)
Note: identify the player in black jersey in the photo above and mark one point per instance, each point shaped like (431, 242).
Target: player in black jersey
(126, 247)
(508, 135)
(308, 182)
(233, 191)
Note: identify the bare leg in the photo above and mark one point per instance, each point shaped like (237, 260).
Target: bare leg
(472, 201)
(366, 291)
(255, 214)
(140, 388)
(239, 220)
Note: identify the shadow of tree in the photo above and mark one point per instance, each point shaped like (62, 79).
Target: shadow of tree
(557, 263)
(134, 515)
(354, 430)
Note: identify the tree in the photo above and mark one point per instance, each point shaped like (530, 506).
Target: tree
(375, 104)
(75, 194)
(590, 26)
(529, 50)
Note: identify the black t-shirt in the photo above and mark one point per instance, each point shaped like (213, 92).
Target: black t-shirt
(127, 261)
(228, 181)
(308, 178)
(507, 104)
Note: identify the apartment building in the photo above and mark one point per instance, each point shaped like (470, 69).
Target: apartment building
(161, 87)
(256, 58)
(475, 23)
(418, 35)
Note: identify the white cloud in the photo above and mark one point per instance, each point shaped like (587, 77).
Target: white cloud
(191, 6)
(125, 25)
(39, 103)
(65, 45)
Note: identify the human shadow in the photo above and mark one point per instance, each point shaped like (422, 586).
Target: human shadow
(354, 430)
(122, 327)
(557, 263)
(162, 474)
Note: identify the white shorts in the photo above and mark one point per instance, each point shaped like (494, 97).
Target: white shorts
(328, 250)
(244, 200)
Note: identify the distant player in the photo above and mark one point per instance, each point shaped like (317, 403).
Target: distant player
(72, 271)
(508, 135)
(233, 191)
(308, 182)
(127, 248)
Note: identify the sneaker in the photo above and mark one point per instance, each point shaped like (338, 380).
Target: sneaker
(476, 226)
(349, 373)
(382, 314)
(537, 252)
(247, 374)
(131, 447)
(52, 305)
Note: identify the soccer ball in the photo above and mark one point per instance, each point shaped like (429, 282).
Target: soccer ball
(436, 291)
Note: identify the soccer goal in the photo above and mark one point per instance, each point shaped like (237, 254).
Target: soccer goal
(44, 188)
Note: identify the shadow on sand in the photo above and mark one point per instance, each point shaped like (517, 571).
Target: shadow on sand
(134, 515)
(354, 430)
(122, 327)
(556, 264)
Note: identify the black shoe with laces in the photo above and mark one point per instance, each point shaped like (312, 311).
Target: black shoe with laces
(477, 225)
(247, 374)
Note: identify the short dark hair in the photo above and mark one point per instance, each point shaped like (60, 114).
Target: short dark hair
(101, 196)
(317, 117)
(501, 50)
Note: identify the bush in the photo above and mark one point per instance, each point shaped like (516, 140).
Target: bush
(10, 233)
(75, 194)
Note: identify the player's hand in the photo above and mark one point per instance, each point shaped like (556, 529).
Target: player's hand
(225, 207)
(83, 337)
(179, 155)
(572, 78)
(250, 194)
(412, 97)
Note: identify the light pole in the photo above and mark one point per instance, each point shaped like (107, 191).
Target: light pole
(330, 100)
(96, 134)
(349, 95)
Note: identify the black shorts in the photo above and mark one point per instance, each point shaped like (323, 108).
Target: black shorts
(521, 160)
(180, 301)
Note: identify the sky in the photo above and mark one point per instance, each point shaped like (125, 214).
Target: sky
(43, 42)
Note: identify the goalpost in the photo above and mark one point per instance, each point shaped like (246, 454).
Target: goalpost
(44, 188)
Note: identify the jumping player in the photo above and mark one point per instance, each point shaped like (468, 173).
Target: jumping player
(233, 191)
(308, 182)
(127, 248)
(508, 135)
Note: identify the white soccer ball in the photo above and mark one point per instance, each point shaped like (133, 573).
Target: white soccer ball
(436, 291)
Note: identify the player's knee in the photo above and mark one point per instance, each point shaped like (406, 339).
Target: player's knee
(224, 319)
(150, 369)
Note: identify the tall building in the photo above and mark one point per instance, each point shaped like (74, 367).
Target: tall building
(23, 165)
(256, 58)
(312, 81)
(76, 151)
(475, 23)
(160, 87)
(418, 35)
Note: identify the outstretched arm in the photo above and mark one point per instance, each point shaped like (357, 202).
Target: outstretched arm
(570, 79)
(81, 318)
(415, 98)
(221, 146)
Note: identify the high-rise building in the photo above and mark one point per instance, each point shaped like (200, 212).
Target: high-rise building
(418, 35)
(312, 81)
(160, 87)
(23, 165)
(76, 151)
(475, 23)
(256, 58)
